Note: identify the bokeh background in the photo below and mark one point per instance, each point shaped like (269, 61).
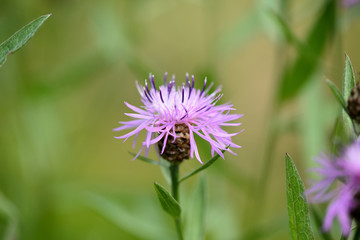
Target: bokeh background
(64, 176)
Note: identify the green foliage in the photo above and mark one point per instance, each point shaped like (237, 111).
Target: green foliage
(349, 79)
(339, 97)
(297, 74)
(298, 209)
(195, 224)
(168, 203)
(203, 167)
(318, 223)
(348, 85)
(20, 38)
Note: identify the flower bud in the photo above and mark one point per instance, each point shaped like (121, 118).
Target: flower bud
(354, 103)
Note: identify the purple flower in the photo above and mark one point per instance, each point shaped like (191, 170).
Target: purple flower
(168, 110)
(349, 3)
(344, 197)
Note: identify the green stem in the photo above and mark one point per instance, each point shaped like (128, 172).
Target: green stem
(357, 233)
(174, 172)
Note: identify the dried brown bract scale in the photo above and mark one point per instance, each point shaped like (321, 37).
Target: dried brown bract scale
(178, 150)
(354, 103)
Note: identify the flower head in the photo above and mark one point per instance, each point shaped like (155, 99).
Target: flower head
(345, 197)
(349, 3)
(171, 116)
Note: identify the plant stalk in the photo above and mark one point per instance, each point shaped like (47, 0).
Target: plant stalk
(357, 233)
(174, 173)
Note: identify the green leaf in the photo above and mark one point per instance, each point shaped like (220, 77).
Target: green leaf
(298, 209)
(20, 38)
(195, 217)
(349, 79)
(339, 97)
(203, 167)
(297, 74)
(285, 29)
(168, 203)
(348, 85)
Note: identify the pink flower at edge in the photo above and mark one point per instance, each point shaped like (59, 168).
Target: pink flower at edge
(345, 170)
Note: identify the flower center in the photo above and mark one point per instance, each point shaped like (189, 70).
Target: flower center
(178, 150)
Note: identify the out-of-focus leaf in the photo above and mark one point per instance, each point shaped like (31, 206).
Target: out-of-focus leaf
(298, 209)
(296, 75)
(318, 222)
(339, 97)
(8, 210)
(124, 219)
(20, 38)
(203, 167)
(195, 215)
(168, 203)
(348, 85)
(285, 30)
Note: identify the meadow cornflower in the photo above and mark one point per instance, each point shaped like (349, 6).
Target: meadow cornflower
(345, 196)
(171, 116)
(349, 3)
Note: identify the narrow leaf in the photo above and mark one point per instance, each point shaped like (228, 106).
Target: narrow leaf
(20, 38)
(285, 30)
(168, 203)
(348, 85)
(298, 209)
(349, 79)
(297, 74)
(195, 223)
(203, 167)
(339, 97)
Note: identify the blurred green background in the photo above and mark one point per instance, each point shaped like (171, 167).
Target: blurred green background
(64, 176)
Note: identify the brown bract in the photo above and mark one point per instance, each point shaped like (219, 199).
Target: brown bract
(178, 150)
(354, 103)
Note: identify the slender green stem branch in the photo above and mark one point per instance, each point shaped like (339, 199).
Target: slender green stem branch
(174, 172)
(357, 233)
